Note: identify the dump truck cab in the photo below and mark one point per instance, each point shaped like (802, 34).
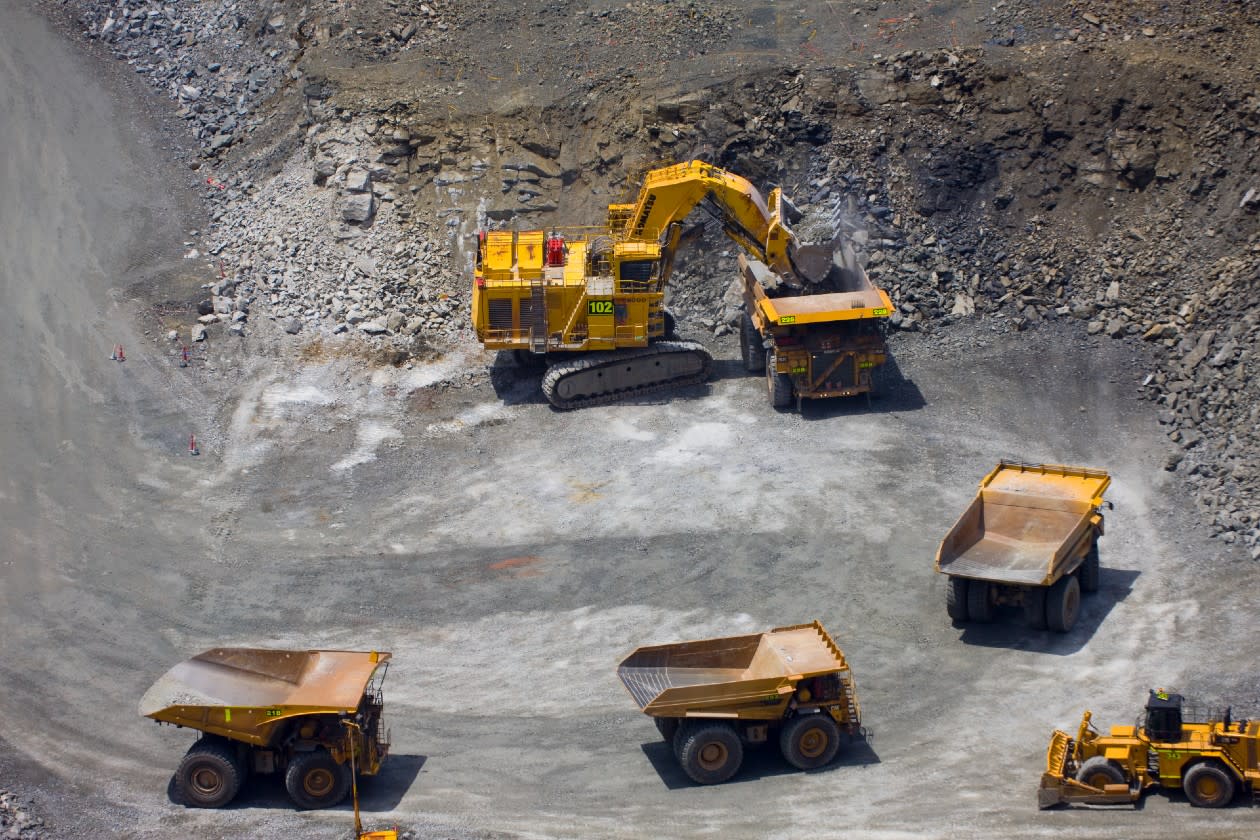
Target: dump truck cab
(1208, 754)
(274, 711)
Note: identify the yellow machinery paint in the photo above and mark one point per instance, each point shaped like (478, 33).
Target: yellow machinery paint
(709, 697)
(1210, 755)
(267, 711)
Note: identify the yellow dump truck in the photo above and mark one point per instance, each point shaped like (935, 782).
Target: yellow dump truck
(1210, 755)
(1029, 539)
(812, 344)
(710, 697)
(274, 711)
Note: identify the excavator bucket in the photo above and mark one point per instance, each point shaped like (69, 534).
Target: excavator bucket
(814, 262)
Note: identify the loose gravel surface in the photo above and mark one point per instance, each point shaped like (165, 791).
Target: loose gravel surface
(509, 555)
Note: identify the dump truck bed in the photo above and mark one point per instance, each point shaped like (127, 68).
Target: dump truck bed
(243, 693)
(1023, 525)
(694, 676)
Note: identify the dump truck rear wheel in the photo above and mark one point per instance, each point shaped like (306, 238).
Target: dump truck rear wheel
(1099, 772)
(778, 384)
(979, 604)
(810, 741)
(668, 727)
(1035, 607)
(1063, 604)
(1090, 571)
(709, 753)
(956, 598)
(1208, 786)
(750, 345)
(316, 780)
(210, 774)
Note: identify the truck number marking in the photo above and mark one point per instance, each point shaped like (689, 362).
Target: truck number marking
(798, 369)
(880, 310)
(274, 712)
(599, 307)
(788, 319)
(865, 365)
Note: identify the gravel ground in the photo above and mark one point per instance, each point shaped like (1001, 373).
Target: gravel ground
(509, 555)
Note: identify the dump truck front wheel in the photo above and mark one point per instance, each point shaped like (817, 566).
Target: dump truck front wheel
(778, 384)
(210, 774)
(1099, 772)
(709, 753)
(668, 727)
(956, 599)
(316, 780)
(810, 741)
(979, 601)
(1063, 604)
(750, 345)
(1208, 785)
(1090, 570)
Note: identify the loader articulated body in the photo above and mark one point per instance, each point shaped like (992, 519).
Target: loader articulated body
(1211, 756)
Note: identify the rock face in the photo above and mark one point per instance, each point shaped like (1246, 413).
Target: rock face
(1079, 185)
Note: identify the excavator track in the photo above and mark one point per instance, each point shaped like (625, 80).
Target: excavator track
(615, 375)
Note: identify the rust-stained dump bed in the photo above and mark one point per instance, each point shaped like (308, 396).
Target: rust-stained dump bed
(728, 669)
(1023, 524)
(254, 677)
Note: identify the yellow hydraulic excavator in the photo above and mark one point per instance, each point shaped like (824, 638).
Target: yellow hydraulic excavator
(589, 301)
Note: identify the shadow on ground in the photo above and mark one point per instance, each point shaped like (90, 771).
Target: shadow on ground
(760, 761)
(1010, 631)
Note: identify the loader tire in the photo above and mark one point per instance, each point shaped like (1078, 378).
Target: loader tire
(779, 385)
(1063, 604)
(316, 780)
(956, 599)
(1090, 571)
(1208, 785)
(709, 752)
(668, 727)
(1035, 607)
(979, 602)
(750, 345)
(1099, 772)
(810, 741)
(210, 774)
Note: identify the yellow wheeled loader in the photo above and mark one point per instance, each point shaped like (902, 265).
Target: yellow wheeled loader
(1209, 755)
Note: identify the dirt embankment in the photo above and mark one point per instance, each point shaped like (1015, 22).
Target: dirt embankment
(1039, 162)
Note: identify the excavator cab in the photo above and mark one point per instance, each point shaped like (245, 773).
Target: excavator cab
(1163, 716)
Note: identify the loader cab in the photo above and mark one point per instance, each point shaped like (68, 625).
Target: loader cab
(1163, 716)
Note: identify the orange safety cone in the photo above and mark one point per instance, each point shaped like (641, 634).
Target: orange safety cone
(183, 357)
(192, 445)
(122, 355)
(113, 353)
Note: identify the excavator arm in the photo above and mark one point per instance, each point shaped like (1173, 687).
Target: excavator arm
(756, 224)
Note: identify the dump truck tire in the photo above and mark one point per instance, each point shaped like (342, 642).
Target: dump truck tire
(778, 384)
(668, 727)
(1099, 772)
(210, 774)
(1208, 785)
(316, 780)
(1063, 604)
(750, 345)
(1090, 570)
(709, 753)
(810, 741)
(979, 604)
(1035, 607)
(956, 599)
